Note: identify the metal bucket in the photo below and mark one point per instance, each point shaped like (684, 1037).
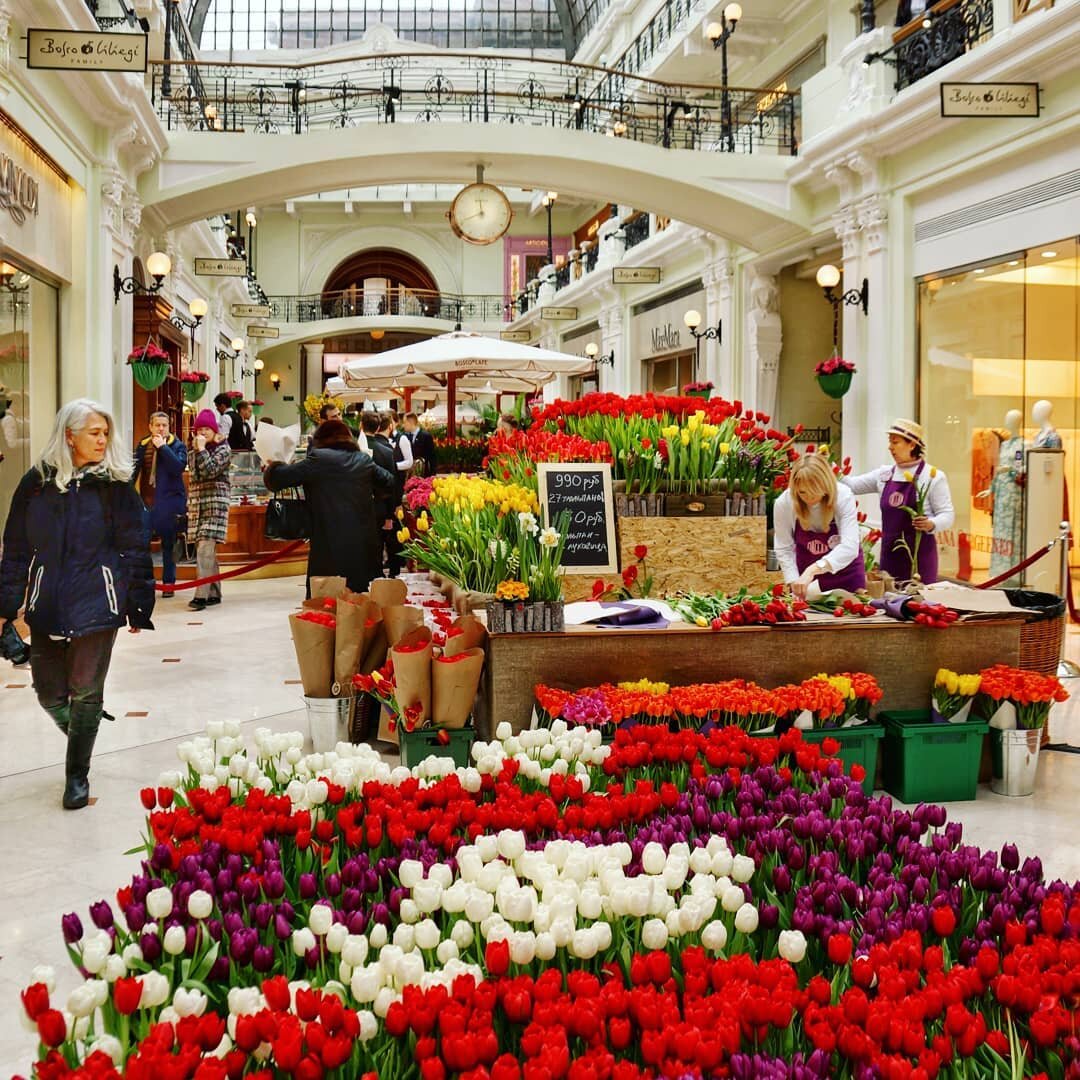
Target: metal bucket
(328, 722)
(1015, 760)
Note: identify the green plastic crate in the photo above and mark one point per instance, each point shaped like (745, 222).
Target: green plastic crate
(417, 745)
(858, 746)
(928, 762)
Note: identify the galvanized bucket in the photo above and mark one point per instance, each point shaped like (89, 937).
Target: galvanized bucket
(1015, 760)
(328, 722)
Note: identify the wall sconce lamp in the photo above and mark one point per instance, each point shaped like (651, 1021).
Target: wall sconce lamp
(693, 320)
(158, 264)
(259, 364)
(238, 344)
(592, 351)
(828, 277)
(275, 381)
(7, 278)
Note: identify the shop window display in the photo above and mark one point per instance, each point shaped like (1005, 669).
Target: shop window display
(1000, 344)
(27, 362)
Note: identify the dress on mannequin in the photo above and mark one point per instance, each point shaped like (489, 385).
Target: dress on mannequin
(1008, 500)
(1048, 437)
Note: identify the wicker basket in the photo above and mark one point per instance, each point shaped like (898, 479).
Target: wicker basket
(1040, 644)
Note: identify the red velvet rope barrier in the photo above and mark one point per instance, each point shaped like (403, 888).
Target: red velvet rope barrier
(236, 571)
(1013, 571)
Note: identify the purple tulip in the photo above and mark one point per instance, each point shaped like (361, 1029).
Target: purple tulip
(72, 927)
(282, 929)
(151, 947)
(262, 959)
(135, 914)
(101, 914)
(307, 886)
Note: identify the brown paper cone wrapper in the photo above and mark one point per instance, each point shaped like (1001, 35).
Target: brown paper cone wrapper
(473, 635)
(314, 655)
(454, 689)
(385, 734)
(412, 673)
(327, 586)
(435, 579)
(351, 642)
(389, 592)
(318, 603)
(399, 621)
(375, 654)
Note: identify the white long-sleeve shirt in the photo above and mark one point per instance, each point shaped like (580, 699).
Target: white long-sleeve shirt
(406, 462)
(939, 504)
(847, 550)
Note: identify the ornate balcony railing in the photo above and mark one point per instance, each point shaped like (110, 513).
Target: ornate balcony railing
(945, 32)
(635, 230)
(469, 88)
(417, 304)
(116, 17)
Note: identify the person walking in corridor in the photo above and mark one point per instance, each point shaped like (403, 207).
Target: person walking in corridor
(160, 461)
(208, 504)
(77, 551)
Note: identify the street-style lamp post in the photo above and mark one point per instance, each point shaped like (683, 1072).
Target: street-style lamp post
(693, 320)
(718, 34)
(549, 203)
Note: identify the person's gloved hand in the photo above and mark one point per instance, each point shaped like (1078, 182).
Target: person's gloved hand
(12, 647)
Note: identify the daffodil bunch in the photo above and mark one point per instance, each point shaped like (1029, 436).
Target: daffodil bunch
(954, 693)
(511, 590)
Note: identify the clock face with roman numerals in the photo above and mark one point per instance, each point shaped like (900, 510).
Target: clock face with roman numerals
(480, 214)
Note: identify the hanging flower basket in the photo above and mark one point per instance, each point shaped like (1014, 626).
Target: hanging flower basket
(835, 385)
(698, 390)
(194, 385)
(834, 376)
(257, 406)
(150, 365)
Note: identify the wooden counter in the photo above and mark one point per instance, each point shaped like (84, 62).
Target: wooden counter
(902, 656)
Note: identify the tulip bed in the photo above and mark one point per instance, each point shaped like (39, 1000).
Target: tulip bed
(673, 904)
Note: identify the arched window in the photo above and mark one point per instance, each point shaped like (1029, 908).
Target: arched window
(380, 281)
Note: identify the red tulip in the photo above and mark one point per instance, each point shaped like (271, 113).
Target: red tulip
(127, 993)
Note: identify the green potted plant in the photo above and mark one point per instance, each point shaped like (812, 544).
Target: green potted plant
(194, 385)
(834, 375)
(698, 389)
(149, 364)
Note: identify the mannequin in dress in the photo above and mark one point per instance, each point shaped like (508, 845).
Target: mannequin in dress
(1008, 497)
(1048, 438)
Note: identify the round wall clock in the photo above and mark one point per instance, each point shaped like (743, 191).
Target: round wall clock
(480, 214)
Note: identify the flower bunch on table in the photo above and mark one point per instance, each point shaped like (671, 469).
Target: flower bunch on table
(718, 611)
(675, 903)
(1028, 692)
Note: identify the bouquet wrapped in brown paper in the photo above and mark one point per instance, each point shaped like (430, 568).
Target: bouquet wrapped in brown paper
(455, 680)
(313, 635)
(466, 632)
(357, 629)
(388, 592)
(399, 619)
(375, 653)
(412, 676)
(327, 586)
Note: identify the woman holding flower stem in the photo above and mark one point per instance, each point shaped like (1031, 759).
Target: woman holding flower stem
(915, 504)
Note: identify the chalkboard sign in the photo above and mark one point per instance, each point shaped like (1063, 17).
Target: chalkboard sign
(584, 491)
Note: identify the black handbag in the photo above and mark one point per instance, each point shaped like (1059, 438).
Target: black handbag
(287, 518)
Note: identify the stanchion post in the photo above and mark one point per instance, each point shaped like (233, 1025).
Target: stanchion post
(1066, 668)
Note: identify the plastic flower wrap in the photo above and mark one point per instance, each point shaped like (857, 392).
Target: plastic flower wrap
(953, 694)
(1028, 692)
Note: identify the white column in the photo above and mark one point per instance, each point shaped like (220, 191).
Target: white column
(617, 378)
(886, 390)
(764, 339)
(717, 357)
(313, 368)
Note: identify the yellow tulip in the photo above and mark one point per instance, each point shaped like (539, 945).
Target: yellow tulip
(685, 438)
(724, 448)
(701, 620)
(908, 476)
(422, 523)
(404, 536)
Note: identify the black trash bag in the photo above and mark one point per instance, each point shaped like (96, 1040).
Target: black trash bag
(1040, 605)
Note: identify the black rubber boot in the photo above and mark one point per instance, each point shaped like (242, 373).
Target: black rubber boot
(61, 715)
(81, 736)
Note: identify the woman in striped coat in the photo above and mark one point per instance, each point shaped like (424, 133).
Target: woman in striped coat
(208, 503)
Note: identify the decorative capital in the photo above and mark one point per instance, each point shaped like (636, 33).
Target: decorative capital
(846, 225)
(873, 217)
(717, 277)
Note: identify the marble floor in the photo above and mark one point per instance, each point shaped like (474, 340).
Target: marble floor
(236, 661)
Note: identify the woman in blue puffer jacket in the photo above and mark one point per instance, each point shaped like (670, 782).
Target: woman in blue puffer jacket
(77, 550)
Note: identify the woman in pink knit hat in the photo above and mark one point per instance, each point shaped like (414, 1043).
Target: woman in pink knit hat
(208, 503)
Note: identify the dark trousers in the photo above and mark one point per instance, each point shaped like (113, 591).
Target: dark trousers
(69, 677)
(168, 558)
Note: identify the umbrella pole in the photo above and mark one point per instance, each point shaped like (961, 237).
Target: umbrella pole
(451, 403)
(408, 398)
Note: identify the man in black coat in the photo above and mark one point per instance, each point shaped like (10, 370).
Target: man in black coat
(383, 455)
(341, 486)
(241, 433)
(422, 443)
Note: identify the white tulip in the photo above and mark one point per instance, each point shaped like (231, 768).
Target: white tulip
(221, 774)
(653, 858)
(409, 912)
(522, 946)
(320, 919)
(108, 1044)
(584, 944)
(638, 897)
(447, 951)
(700, 861)
(722, 863)
(317, 792)
(80, 1001)
(159, 903)
(155, 990)
(344, 971)
(673, 923)
(469, 863)
(479, 906)
(590, 903)
(503, 731)
(410, 873)
(303, 941)
(355, 950)
(115, 968)
(366, 983)
(441, 874)
(174, 941)
(511, 843)
(462, 934)
(454, 898)
(746, 919)
(369, 1026)
(189, 1002)
(410, 970)
(383, 1000)
(733, 898)
(46, 973)
(742, 868)
(215, 729)
(95, 954)
(427, 895)
(791, 946)
(714, 937)
(378, 936)
(336, 937)
(562, 930)
(427, 934)
(544, 947)
(200, 904)
(404, 937)
(491, 875)
(488, 847)
(654, 934)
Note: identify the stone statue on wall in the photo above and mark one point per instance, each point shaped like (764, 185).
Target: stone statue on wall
(764, 340)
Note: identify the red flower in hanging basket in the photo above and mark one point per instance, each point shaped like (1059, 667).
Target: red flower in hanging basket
(235, 395)
(697, 387)
(257, 402)
(194, 377)
(150, 353)
(835, 365)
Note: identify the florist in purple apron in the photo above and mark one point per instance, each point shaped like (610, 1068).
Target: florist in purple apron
(816, 531)
(915, 504)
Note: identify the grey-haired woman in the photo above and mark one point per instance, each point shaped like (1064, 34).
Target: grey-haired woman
(77, 552)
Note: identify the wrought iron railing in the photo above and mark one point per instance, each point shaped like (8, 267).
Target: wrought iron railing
(562, 276)
(121, 15)
(635, 230)
(589, 258)
(664, 25)
(415, 303)
(945, 32)
(468, 88)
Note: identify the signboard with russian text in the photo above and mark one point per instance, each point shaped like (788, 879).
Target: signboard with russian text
(990, 100)
(635, 275)
(583, 490)
(558, 314)
(251, 311)
(263, 331)
(85, 50)
(221, 267)
(521, 336)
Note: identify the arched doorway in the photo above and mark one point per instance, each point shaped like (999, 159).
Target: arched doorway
(380, 281)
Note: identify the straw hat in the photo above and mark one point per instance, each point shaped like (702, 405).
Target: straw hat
(908, 429)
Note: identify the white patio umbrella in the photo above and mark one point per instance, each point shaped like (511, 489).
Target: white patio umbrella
(465, 360)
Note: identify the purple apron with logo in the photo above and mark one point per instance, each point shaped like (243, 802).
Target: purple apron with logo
(812, 546)
(896, 525)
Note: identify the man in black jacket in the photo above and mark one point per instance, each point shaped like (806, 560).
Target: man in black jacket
(241, 434)
(422, 443)
(382, 454)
